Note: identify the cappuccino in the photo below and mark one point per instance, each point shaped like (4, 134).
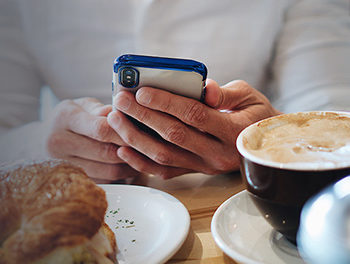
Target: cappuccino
(287, 159)
(310, 139)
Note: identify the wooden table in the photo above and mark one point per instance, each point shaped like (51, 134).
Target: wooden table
(202, 195)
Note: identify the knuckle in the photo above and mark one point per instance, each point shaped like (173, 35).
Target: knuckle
(108, 151)
(166, 105)
(242, 85)
(129, 138)
(195, 113)
(143, 116)
(175, 133)
(163, 158)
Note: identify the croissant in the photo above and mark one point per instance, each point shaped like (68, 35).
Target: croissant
(51, 212)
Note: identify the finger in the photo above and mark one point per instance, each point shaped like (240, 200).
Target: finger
(170, 128)
(213, 155)
(89, 104)
(102, 110)
(70, 144)
(73, 117)
(246, 104)
(93, 106)
(212, 93)
(189, 111)
(104, 171)
(159, 151)
(234, 95)
(95, 127)
(145, 165)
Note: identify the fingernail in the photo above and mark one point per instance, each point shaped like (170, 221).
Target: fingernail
(143, 97)
(122, 103)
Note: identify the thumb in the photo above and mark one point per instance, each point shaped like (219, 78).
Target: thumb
(229, 96)
(212, 93)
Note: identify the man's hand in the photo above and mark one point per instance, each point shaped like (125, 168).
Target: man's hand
(79, 132)
(194, 136)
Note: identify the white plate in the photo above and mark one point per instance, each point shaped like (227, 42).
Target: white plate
(245, 236)
(150, 225)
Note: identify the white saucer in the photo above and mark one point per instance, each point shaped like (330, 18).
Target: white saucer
(245, 236)
(150, 225)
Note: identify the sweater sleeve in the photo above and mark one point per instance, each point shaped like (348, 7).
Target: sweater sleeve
(19, 82)
(311, 67)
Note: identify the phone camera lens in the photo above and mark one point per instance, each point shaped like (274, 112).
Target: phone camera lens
(129, 77)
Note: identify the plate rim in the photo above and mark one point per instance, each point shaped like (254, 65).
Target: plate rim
(241, 256)
(176, 244)
(217, 238)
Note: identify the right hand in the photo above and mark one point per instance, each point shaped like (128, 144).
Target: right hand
(196, 137)
(79, 132)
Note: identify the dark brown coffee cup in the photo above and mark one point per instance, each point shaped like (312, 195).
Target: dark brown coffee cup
(279, 189)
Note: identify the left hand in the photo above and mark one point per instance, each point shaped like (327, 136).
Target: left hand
(195, 137)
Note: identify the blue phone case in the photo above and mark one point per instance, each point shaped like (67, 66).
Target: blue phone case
(161, 63)
(180, 76)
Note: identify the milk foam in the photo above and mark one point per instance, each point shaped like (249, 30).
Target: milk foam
(304, 139)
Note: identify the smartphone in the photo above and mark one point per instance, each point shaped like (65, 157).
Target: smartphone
(180, 76)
